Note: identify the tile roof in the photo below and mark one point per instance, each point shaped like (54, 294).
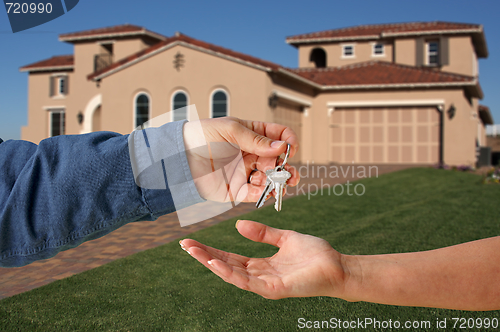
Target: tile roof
(189, 42)
(58, 62)
(378, 73)
(109, 32)
(378, 31)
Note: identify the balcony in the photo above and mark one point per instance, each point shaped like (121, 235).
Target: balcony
(102, 61)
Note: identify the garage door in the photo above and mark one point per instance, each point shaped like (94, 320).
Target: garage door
(385, 135)
(290, 115)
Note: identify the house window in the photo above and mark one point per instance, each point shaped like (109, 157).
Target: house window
(378, 49)
(433, 53)
(57, 122)
(348, 51)
(179, 101)
(58, 86)
(219, 104)
(141, 109)
(62, 85)
(318, 56)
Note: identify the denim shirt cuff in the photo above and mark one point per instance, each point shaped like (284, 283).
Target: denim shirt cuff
(163, 173)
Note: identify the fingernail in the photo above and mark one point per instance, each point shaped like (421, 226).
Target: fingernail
(237, 222)
(277, 144)
(210, 263)
(182, 246)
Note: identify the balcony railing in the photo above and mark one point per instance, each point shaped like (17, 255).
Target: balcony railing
(102, 61)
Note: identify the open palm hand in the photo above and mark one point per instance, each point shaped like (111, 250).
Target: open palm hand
(304, 265)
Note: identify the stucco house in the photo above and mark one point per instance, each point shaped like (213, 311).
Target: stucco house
(393, 93)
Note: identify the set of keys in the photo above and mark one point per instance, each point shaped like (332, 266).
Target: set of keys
(276, 179)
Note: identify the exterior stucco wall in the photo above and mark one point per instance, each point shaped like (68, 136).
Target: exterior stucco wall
(362, 52)
(405, 52)
(199, 77)
(461, 56)
(81, 89)
(125, 47)
(39, 102)
(459, 132)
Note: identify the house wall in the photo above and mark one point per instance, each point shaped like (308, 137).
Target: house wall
(461, 53)
(362, 52)
(125, 47)
(405, 52)
(39, 101)
(459, 133)
(201, 74)
(462, 59)
(81, 89)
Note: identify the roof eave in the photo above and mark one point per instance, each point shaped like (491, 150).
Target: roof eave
(299, 41)
(485, 116)
(400, 86)
(52, 68)
(300, 78)
(431, 32)
(151, 34)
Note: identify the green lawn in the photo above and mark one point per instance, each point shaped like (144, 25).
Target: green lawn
(165, 289)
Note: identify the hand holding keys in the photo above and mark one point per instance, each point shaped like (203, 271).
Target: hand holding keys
(276, 179)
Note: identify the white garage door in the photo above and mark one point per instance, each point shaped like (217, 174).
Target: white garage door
(403, 135)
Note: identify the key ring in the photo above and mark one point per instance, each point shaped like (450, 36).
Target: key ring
(287, 154)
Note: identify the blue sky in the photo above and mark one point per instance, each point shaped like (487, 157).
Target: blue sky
(258, 28)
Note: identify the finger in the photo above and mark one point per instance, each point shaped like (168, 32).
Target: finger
(227, 268)
(295, 178)
(261, 233)
(274, 131)
(264, 163)
(249, 141)
(257, 178)
(207, 253)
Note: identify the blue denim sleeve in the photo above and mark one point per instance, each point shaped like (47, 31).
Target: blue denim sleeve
(68, 190)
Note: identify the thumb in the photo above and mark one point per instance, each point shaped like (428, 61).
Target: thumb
(251, 142)
(258, 232)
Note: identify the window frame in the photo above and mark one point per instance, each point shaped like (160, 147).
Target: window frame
(374, 46)
(172, 102)
(344, 56)
(428, 53)
(134, 109)
(212, 104)
(54, 110)
(58, 78)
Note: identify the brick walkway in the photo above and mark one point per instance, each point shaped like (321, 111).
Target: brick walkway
(136, 237)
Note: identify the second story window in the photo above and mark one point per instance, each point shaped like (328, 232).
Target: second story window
(433, 53)
(62, 85)
(378, 49)
(318, 56)
(58, 86)
(178, 102)
(141, 109)
(348, 51)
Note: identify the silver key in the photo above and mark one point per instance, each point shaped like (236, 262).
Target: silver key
(267, 191)
(279, 179)
(276, 181)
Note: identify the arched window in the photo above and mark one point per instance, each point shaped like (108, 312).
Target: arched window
(179, 101)
(219, 104)
(141, 109)
(318, 56)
